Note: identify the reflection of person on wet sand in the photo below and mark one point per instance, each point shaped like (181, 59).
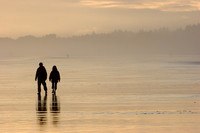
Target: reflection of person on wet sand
(55, 109)
(42, 110)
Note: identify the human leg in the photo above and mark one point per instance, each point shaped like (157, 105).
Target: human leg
(56, 86)
(39, 86)
(53, 85)
(45, 86)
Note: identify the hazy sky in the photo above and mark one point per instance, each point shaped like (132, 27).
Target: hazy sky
(72, 17)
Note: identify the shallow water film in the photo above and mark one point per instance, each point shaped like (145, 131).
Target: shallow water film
(102, 95)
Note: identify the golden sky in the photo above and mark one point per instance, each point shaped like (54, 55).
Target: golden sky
(72, 17)
(162, 5)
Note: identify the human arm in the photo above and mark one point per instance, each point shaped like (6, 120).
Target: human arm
(36, 75)
(58, 76)
(45, 74)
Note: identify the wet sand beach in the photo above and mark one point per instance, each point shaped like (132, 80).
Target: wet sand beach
(102, 95)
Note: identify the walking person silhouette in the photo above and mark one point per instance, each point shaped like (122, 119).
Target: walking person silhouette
(54, 78)
(41, 76)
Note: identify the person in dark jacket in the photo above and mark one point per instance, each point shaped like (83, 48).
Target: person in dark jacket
(41, 76)
(54, 78)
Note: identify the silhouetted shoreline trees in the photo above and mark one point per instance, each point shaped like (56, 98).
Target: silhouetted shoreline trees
(161, 41)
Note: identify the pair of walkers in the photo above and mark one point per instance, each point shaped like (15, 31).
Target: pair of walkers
(41, 77)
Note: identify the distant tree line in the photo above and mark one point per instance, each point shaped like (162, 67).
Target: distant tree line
(161, 41)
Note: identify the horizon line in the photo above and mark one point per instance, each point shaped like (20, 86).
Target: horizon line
(100, 33)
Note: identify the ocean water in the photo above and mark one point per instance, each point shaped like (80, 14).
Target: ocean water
(102, 95)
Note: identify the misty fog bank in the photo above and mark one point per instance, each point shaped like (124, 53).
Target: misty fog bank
(163, 41)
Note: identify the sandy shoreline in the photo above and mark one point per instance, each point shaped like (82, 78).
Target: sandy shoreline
(101, 97)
